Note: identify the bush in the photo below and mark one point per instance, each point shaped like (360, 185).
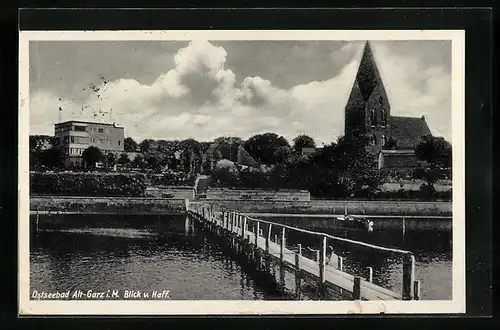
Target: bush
(171, 179)
(87, 184)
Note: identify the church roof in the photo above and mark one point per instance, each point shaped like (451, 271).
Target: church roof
(212, 148)
(407, 131)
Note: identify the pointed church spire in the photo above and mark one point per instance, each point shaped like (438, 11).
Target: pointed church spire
(368, 76)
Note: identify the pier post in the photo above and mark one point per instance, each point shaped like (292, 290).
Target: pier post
(37, 220)
(416, 290)
(244, 225)
(282, 259)
(408, 275)
(257, 231)
(232, 221)
(298, 284)
(248, 250)
(340, 266)
(322, 270)
(404, 226)
(256, 247)
(370, 274)
(268, 239)
(340, 263)
(356, 290)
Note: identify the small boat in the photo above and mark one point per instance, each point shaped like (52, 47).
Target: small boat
(354, 222)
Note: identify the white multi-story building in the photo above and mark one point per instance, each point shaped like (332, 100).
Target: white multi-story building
(73, 137)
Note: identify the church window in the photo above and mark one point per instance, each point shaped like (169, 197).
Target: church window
(382, 140)
(372, 117)
(383, 116)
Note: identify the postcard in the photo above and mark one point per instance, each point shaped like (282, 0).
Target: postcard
(241, 172)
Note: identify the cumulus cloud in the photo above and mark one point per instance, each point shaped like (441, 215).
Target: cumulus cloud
(200, 98)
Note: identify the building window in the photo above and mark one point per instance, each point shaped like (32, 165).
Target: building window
(66, 139)
(372, 117)
(72, 139)
(373, 140)
(80, 128)
(382, 140)
(119, 142)
(383, 116)
(101, 130)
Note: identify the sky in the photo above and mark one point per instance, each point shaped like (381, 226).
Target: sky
(207, 89)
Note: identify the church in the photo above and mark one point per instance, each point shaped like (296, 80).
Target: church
(391, 139)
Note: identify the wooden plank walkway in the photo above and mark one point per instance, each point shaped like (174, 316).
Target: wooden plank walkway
(331, 280)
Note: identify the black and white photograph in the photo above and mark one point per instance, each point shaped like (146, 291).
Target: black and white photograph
(221, 172)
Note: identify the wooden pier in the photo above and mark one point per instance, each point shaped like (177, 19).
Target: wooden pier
(310, 271)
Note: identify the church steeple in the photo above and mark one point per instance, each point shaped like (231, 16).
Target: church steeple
(368, 104)
(368, 76)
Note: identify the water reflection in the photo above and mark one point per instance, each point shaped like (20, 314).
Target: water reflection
(432, 250)
(137, 253)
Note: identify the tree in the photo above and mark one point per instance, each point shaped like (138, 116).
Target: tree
(435, 150)
(262, 147)
(228, 146)
(91, 156)
(353, 165)
(41, 142)
(123, 159)
(139, 161)
(226, 176)
(302, 141)
(145, 145)
(281, 154)
(110, 159)
(130, 145)
(155, 159)
(44, 151)
(50, 158)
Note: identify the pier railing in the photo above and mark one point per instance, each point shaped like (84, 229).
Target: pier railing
(314, 262)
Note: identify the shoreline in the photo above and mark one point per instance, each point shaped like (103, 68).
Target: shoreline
(313, 208)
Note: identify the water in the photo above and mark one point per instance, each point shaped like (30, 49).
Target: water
(432, 250)
(102, 253)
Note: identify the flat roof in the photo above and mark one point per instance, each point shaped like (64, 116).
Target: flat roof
(86, 122)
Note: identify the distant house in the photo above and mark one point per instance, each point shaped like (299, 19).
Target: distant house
(308, 151)
(211, 156)
(74, 136)
(244, 158)
(391, 140)
(397, 159)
